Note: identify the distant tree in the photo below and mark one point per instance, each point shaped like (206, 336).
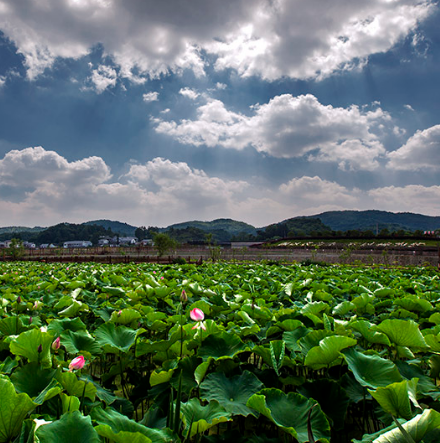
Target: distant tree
(163, 243)
(141, 233)
(16, 248)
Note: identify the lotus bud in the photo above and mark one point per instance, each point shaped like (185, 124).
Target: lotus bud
(77, 363)
(56, 344)
(30, 320)
(40, 349)
(183, 296)
(18, 299)
(119, 313)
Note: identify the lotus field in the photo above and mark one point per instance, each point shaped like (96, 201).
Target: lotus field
(217, 353)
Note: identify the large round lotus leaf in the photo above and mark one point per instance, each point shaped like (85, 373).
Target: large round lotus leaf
(72, 427)
(221, 345)
(395, 398)
(119, 428)
(187, 367)
(417, 428)
(13, 410)
(116, 338)
(34, 380)
(125, 316)
(202, 418)
(231, 393)
(79, 341)
(291, 412)
(12, 325)
(27, 344)
(327, 351)
(60, 325)
(331, 397)
(291, 338)
(75, 387)
(425, 385)
(403, 332)
(371, 371)
(372, 336)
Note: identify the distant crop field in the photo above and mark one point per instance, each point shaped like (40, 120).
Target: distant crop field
(218, 352)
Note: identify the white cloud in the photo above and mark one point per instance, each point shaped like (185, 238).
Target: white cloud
(255, 37)
(103, 78)
(189, 93)
(151, 97)
(2, 81)
(48, 189)
(409, 107)
(411, 198)
(219, 85)
(421, 151)
(288, 127)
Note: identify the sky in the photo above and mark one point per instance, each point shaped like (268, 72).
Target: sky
(158, 112)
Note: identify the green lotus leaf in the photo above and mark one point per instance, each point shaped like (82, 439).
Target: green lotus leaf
(78, 388)
(27, 344)
(417, 428)
(395, 398)
(113, 291)
(13, 410)
(425, 386)
(76, 342)
(291, 338)
(231, 393)
(290, 324)
(156, 378)
(73, 309)
(115, 339)
(12, 325)
(202, 418)
(331, 397)
(403, 333)
(125, 316)
(69, 403)
(327, 351)
(433, 341)
(185, 371)
(312, 339)
(277, 351)
(290, 412)
(8, 365)
(364, 327)
(58, 326)
(343, 308)
(36, 382)
(221, 345)
(315, 308)
(435, 318)
(371, 371)
(119, 428)
(413, 303)
(72, 426)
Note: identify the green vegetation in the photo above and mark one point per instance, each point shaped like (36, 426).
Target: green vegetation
(163, 243)
(216, 353)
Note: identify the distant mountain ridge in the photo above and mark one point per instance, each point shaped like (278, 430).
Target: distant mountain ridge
(224, 229)
(233, 227)
(373, 219)
(116, 226)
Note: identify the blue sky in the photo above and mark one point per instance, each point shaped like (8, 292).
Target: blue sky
(154, 113)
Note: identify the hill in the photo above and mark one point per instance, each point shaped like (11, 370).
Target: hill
(115, 226)
(372, 220)
(222, 229)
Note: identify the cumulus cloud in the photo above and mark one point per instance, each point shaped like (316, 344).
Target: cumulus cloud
(151, 97)
(40, 187)
(190, 93)
(411, 198)
(103, 77)
(254, 37)
(288, 127)
(421, 151)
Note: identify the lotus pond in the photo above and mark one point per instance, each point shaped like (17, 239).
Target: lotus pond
(218, 353)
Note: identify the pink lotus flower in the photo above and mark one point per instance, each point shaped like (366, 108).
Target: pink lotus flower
(197, 314)
(77, 363)
(56, 344)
